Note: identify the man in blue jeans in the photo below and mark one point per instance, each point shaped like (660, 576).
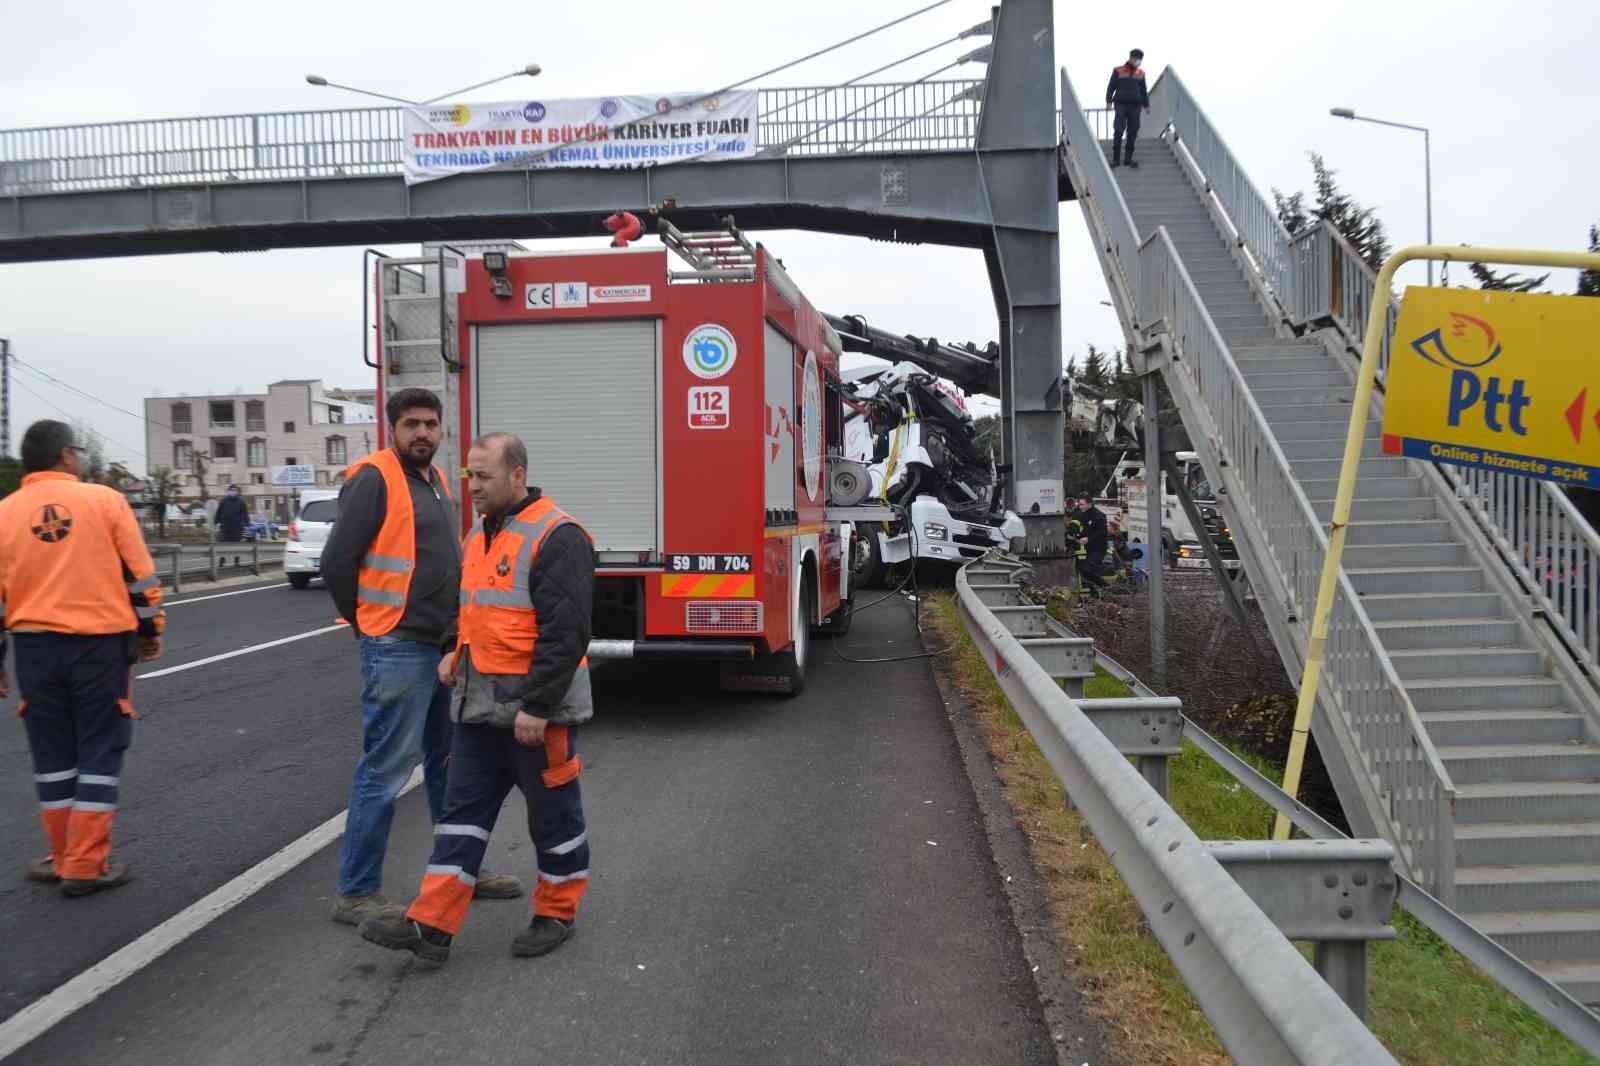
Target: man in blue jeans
(393, 567)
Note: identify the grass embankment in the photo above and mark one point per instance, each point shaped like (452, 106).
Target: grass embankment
(1428, 1005)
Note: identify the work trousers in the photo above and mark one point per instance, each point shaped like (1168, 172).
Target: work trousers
(75, 708)
(1126, 121)
(485, 761)
(405, 719)
(1090, 569)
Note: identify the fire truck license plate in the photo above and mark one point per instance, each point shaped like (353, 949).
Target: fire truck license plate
(710, 564)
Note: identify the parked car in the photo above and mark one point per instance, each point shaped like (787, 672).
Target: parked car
(302, 552)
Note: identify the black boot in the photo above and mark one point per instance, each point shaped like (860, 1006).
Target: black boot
(543, 936)
(1130, 161)
(1116, 155)
(399, 933)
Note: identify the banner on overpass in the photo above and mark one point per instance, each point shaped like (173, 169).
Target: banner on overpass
(602, 131)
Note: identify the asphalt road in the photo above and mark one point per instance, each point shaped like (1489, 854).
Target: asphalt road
(775, 880)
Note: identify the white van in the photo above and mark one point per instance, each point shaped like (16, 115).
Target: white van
(302, 553)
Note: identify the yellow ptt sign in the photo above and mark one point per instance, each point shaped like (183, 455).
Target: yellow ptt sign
(1503, 381)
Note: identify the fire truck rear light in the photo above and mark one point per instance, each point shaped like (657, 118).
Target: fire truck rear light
(723, 616)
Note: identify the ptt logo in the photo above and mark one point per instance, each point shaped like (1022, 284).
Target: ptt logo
(709, 351)
(534, 112)
(1471, 347)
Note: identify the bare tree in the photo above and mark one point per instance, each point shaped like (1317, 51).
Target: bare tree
(162, 492)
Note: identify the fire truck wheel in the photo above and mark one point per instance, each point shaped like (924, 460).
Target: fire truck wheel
(867, 562)
(791, 664)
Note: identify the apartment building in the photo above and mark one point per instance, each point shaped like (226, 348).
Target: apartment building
(246, 439)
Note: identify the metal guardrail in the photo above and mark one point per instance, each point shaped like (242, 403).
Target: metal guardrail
(1547, 544)
(923, 116)
(1362, 681)
(1570, 1017)
(1265, 1002)
(212, 565)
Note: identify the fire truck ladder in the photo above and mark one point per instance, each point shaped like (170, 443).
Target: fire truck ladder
(413, 291)
(713, 255)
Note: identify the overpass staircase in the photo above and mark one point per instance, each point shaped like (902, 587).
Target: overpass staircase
(1460, 715)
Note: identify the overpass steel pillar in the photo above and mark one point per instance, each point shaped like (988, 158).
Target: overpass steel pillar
(1016, 147)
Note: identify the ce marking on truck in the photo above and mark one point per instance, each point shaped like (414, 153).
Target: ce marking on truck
(710, 564)
(540, 297)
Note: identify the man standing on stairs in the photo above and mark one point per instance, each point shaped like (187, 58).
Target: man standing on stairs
(1126, 92)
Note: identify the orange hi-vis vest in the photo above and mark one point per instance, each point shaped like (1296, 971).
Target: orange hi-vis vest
(498, 621)
(72, 560)
(384, 579)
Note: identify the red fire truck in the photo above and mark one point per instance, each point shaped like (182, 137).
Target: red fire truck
(683, 409)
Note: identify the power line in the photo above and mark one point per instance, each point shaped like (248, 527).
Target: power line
(75, 418)
(88, 395)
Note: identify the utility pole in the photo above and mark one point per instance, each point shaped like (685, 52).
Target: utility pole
(5, 398)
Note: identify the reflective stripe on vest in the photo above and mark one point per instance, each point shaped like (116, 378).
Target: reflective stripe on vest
(384, 579)
(498, 620)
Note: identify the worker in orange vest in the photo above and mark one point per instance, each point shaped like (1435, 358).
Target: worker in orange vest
(393, 567)
(520, 675)
(79, 593)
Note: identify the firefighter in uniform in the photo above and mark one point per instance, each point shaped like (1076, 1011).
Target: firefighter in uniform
(79, 593)
(520, 680)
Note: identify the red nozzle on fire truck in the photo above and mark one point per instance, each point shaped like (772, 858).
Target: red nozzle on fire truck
(684, 411)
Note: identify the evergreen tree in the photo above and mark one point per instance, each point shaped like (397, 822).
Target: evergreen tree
(10, 476)
(1359, 225)
(1291, 211)
(1504, 281)
(1589, 280)
(1094, 369)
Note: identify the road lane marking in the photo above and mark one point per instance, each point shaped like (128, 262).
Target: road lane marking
(219, 595)
(49, 1010)
(208, 660)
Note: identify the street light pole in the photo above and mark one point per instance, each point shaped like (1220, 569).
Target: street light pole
(1427, 161)
(532, 70)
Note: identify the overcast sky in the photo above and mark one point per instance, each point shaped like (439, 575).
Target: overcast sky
(1509, 91)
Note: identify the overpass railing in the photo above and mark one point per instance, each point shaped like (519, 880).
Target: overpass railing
(919, 116)
(1081, 133)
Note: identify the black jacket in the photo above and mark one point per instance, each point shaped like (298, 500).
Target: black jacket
(561, 586)
(434, 599)
(1127, 88)
(1094, 530)
(232, 513)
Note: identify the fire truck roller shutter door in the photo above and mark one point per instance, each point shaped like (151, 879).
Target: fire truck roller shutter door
(583, 397)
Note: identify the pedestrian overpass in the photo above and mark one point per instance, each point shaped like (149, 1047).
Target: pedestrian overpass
(1460, 707)
(1459, 710)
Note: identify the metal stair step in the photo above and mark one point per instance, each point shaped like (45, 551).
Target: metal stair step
(1367, 486)
(1527, 843)
(1400, 531)
(1404, 556)
(1230, 324)
(1481, 693)
(1527, 801)
(1416, 579)
(1455, 729)
(1302, 394)
(1431, 606)
(1324, 379)
(1446, 633)
(1481, 763)
(1559, 886)
(1293, 414)
(1328, 469)
(1578, 978)
(1544, 935)
(1294, 450)
(1370, 507)
(1332, 430)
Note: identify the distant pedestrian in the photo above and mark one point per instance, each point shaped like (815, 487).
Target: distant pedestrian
(393, 567)
(1093, 561)
(521, 677)
(1126, 93)
(79, 593)
(232, 517)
